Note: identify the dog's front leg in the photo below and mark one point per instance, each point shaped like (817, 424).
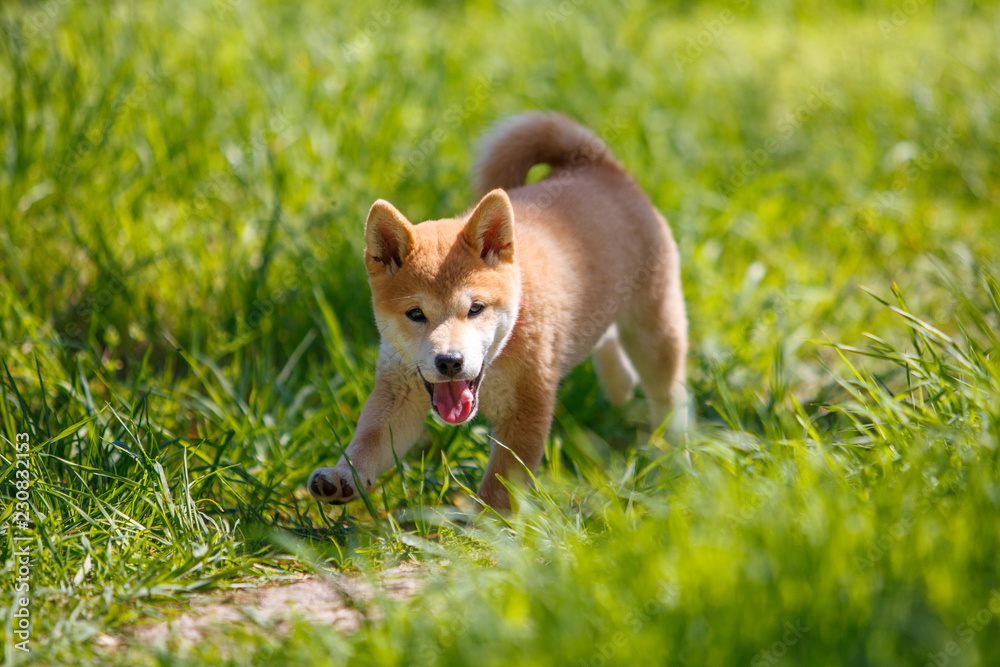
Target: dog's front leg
(392, 419)
(522, 430)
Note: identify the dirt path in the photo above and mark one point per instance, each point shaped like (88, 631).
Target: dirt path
(341, 602)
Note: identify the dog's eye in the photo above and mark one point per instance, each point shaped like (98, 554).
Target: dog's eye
(416, 315)
(476, 309)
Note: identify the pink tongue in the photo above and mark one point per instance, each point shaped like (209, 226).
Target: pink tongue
(453, 400)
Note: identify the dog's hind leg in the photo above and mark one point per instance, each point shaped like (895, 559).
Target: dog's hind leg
(615, 372)
(653, 332)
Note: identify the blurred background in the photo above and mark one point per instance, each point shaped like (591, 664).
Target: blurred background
(203, 168)
(183, 194)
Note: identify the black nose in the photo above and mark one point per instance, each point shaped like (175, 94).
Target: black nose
(449, 364)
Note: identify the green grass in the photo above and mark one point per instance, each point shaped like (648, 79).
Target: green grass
(186, 332)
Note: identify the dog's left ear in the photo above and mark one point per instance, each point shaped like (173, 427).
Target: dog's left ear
(490, 229)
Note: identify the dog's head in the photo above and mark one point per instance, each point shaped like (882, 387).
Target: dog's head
(446, 295)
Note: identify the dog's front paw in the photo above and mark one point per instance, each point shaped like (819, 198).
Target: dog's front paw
(333, 485)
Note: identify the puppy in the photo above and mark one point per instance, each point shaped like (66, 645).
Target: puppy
(488, 310)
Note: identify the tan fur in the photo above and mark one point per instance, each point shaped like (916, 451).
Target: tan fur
(580, 260)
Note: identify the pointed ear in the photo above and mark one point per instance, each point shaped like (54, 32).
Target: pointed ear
(490, 229)
(389, 239)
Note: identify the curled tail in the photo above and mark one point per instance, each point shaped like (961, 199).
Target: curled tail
(516, 145)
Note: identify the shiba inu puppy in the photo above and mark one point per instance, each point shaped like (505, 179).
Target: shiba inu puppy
(488, 310)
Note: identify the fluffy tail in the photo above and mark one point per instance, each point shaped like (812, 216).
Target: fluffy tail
(516, 145)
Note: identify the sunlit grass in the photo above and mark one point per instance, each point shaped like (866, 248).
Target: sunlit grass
(186, 332)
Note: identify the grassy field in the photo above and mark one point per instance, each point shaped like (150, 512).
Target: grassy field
(186, 332)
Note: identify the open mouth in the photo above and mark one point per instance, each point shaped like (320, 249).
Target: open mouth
(454, 401)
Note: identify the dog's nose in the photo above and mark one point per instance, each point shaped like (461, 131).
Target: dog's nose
(449, 364)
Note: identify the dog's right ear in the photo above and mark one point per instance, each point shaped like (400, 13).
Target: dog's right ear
(389, 239)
